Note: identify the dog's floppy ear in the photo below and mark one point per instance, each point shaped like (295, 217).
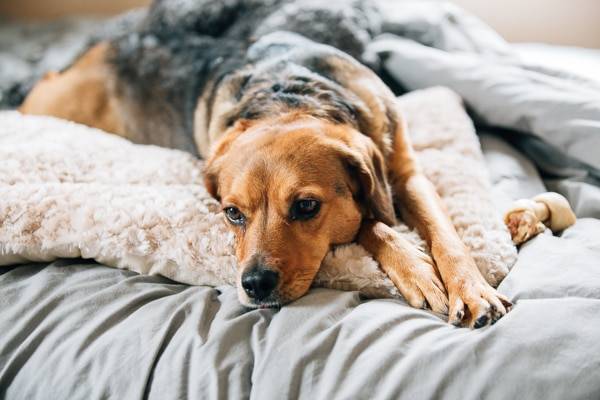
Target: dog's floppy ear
(212, 166)
(211, 183)
(365, 162)
(211, 174)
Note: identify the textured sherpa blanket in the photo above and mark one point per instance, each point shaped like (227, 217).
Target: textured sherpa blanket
(67, 190)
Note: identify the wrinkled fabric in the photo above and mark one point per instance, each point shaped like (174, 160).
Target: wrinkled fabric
(563, 113)
(84, 331)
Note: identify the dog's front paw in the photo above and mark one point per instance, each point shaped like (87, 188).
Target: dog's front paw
(420, 285)
(474, 303)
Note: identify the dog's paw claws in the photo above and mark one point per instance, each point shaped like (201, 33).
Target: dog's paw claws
(423, 289)
(481, 321)
(477, 305)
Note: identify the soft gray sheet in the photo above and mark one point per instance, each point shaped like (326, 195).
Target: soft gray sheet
(91, 332)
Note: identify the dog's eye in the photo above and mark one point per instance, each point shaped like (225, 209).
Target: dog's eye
(234, 215)
(304, 209)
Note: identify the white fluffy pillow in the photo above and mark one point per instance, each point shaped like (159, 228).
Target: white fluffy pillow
(67, 190)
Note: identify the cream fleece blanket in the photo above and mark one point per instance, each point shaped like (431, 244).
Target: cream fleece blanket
(67, 190)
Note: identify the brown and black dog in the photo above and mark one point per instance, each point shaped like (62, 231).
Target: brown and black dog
(305, 149)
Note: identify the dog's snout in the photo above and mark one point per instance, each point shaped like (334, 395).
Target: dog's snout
(259, 282)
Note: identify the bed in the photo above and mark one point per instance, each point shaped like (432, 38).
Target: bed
(80, 330)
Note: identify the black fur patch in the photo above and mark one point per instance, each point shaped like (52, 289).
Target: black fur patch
(314, 95)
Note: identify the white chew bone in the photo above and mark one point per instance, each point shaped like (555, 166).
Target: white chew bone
(561, 215)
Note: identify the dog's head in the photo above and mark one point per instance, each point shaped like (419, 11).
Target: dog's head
(290, 189)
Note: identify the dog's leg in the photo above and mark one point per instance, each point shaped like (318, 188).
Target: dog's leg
(81, 93)
(471, 298)
(412, 271)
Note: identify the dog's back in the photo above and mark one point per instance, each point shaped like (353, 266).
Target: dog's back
(179, 55)
(172, 79)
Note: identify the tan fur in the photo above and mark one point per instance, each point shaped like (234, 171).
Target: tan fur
(82, 94)
(411, 270)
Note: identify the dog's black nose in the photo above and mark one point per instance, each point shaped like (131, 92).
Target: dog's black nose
(259, 282)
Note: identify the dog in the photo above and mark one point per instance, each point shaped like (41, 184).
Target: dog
(305, 147)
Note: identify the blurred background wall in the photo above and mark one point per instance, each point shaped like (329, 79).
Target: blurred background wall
(566, 22)
(50, 9)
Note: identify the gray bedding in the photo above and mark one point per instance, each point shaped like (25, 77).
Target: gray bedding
(79, 330)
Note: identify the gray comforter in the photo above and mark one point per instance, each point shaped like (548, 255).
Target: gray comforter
(83, 331)
(79, 330)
